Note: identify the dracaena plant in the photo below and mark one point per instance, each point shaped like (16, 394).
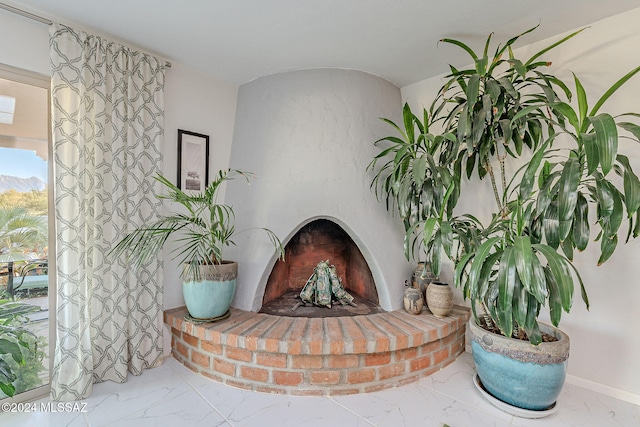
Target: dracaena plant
(501, 110)
(202, 229)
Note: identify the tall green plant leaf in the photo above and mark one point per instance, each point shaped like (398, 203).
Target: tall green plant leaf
(481, 255)
(606, 139)
(551, 46)
(583, 106)
(507, 276)
(607, 247)
(567, 196)
(631, 186)
(581, 229)
(558, 266)
(590, 144)
(523, 259)
(617, 85)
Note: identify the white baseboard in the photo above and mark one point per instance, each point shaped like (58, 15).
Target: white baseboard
(604, 389)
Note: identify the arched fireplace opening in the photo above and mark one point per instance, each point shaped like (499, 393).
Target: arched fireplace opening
(320, 240)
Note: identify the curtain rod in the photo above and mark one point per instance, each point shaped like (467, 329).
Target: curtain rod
(25, 13)
(40, 19)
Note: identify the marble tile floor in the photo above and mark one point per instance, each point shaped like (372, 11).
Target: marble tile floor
(172, 395)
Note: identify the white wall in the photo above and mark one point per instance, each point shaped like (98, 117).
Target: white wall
(308, 136)
(201, 104)
(24, 43)
(605, 344)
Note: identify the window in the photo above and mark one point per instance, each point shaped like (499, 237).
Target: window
(27, 285)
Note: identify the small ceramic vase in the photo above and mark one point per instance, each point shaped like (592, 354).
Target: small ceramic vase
(439, 299)
(413, 302)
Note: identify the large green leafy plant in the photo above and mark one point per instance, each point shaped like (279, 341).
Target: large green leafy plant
(502, 110)
(202, 229)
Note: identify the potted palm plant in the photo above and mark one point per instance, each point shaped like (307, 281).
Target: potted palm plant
(202, 229)
(503, 110)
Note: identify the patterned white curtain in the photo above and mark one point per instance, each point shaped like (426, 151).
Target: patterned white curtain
(108, 113)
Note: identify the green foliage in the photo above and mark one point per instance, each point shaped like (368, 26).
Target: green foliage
(202, 230)
(21, 231)
(506, 108)
(19, 354)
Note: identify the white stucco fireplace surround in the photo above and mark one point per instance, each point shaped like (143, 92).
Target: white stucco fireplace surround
(308, 137)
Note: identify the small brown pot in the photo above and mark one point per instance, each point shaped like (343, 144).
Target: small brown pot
(439, 299)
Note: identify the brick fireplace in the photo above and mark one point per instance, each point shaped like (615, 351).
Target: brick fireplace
(314, 356)
(308, 137)
(317, 241)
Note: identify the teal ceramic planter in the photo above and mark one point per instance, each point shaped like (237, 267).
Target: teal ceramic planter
(211, 296)
(517, 372)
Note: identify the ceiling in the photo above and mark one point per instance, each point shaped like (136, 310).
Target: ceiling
(240, 40)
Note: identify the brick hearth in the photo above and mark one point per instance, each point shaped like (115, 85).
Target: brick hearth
(315, 356)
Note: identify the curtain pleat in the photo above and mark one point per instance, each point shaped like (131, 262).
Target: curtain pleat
(107, 120)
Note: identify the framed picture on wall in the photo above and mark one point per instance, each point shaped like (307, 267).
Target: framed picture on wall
(193, 161)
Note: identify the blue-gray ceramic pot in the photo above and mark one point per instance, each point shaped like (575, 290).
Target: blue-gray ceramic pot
(211, 295)
(517, 372)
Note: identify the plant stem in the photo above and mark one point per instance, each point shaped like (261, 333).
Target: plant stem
(489, 169)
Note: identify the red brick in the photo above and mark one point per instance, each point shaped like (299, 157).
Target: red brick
(448, 340)
(270, 359)
(254, 374)
(429, 347)
(377, 387)
(380, 337)
(306, 362)
(186, 327)
(252, 339)
(190, 366)
(316, 336)
(406, 354)
(354, 335)
(343, 361)
(182, 349)
(360, 376)
(457, 347)
(325, 377)
(239, 384)
(287, 378)
(200, 359)
(212, 376)
(376, 359)
(333, 335)
(402, 339)
(210, 347)
(192, 341)
(273, 336)
(406, 325)
(440, 355)
(344, 391)
(296, 335)
(238, 354)
(303, 392)
(391, 371)
(272, 390)
(176, 333)
(421, 363)
(211, 335)
(224, 367)
(245, 323)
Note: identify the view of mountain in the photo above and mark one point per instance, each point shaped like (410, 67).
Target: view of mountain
(21, 184)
